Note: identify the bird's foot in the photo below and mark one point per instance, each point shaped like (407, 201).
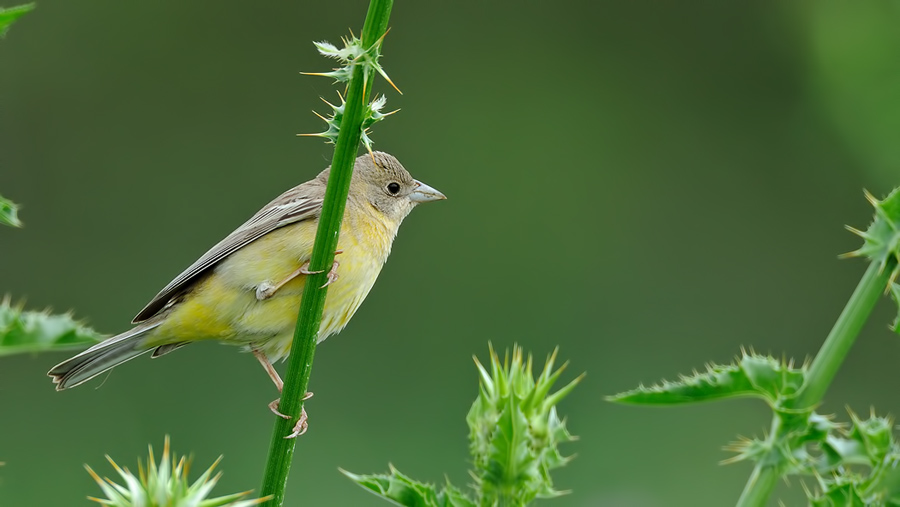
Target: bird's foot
(332, 273)
(266, 288)
(302, 422)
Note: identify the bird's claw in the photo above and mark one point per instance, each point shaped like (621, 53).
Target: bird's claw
(273, 406)
(302, 422)
(301, 426)
(332, 273)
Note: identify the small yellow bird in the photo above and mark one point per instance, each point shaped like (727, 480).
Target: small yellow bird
(246, 290)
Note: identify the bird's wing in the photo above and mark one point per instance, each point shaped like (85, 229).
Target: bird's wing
(295, 205)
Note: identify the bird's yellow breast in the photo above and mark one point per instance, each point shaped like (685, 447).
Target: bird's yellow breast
(223, 304)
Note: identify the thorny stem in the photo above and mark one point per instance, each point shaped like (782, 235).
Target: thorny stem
(821, 372)
(763, 479)
(281, 450)
(823, 368)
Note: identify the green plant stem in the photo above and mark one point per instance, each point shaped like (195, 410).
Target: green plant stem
(759, 487)
(821, 372)
(827, 362)
(763, 479)
(303, 349)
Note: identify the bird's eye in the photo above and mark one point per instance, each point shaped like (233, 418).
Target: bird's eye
(393, 188)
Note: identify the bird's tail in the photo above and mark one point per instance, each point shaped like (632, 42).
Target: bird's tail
(101, 357)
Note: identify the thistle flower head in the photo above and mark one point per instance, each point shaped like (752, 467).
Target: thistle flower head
(514, 437)
(514, 430)
(166, 485)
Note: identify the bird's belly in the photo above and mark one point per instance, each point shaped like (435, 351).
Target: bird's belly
(224, 305)
(357, 273)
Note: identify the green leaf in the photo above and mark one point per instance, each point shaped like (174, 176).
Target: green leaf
(24, 331)
(874, 434)
(881, 241)
(510, 468)
(751, 375)
(856, 465)
(7, 16)
(402, 490)
(9, 213)
(840, 492)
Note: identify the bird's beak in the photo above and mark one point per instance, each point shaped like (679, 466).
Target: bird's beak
(424, 193)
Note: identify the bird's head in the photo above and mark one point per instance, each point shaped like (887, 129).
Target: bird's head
(380, 179)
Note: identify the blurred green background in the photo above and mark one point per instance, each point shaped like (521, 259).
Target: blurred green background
(648, 185)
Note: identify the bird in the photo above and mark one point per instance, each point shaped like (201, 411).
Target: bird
(246, 290)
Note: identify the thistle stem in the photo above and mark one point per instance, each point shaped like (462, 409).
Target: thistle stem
(827, 362)
(821, 372)
(763, 479)
(303, 349)
(759, 487)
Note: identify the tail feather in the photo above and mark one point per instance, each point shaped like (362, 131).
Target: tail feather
(101, 357)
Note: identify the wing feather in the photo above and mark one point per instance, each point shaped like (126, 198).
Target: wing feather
(302, 202)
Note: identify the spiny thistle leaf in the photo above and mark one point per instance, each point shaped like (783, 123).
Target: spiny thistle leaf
(371, 115)
(868, 442)
(881, 241)
(9, 211)
(514, 431)
(7, 16)
(24, 331)
(840, 491)
(351, 55)
(874, 434)
(351, 51)
(333, 121)
(402, 490)
(166, 485)
(751, 375)
(792, 451)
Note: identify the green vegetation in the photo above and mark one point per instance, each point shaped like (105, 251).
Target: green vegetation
(8, 209)
(346, 126)
(9, 213)
(8, 15)
(166, 485)
(29, 332)
(514, 437)
(802, 441)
